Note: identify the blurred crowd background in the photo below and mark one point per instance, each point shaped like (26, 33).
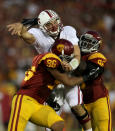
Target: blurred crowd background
(16, 55)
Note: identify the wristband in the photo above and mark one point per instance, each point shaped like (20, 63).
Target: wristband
(74, 63)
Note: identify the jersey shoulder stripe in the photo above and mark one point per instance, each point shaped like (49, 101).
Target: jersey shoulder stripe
(51, 61)
(49, 55)
(98, 58)
(97, 55)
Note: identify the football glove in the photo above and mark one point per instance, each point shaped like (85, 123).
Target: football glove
(93, 74)
(51, 102)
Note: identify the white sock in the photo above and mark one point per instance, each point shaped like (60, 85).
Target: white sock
(88, 129)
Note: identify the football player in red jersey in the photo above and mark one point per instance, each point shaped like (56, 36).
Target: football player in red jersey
(49, 29)
(95, 94)
(39, 81)
(73, 98)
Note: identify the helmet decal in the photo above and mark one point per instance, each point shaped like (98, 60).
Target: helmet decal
(60, 47)
(64, 49)
(48, 13)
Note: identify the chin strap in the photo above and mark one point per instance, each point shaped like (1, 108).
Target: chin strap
(74, 63)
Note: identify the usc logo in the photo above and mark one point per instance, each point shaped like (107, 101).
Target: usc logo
(60, 47)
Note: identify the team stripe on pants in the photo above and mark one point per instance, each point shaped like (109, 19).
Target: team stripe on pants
(110, 118)
(16, 113)
(80, 96)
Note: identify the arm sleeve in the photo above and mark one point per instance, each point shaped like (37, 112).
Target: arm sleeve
(96, 61)
(37, 35)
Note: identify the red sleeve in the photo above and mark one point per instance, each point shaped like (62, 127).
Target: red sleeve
(98, 59)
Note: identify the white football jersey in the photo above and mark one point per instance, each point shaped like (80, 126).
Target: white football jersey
(43, 41)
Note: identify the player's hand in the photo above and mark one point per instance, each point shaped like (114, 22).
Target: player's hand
(66, 66)
(15, 28)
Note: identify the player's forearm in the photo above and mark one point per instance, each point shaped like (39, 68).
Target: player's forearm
(72, 81)
(26, 36)
(66, 79)
(20, 30)
(77, 52)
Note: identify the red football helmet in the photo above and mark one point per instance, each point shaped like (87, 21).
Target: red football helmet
(64, 49)
(90, 41)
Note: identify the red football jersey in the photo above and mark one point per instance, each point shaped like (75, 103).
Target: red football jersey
(38, 82)
(94, 89)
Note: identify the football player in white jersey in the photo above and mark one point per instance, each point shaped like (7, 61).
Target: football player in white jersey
(42, 38)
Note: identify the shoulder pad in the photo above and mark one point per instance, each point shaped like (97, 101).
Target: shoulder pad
(31, 30)
(96, 55)
(51, 60)
(69, 28)
(37, 59)
(98, 58)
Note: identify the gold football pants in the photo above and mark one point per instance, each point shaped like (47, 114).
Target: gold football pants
(100, 114)
(25, 108)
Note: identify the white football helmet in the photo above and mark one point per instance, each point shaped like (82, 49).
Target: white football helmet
(47, 16)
